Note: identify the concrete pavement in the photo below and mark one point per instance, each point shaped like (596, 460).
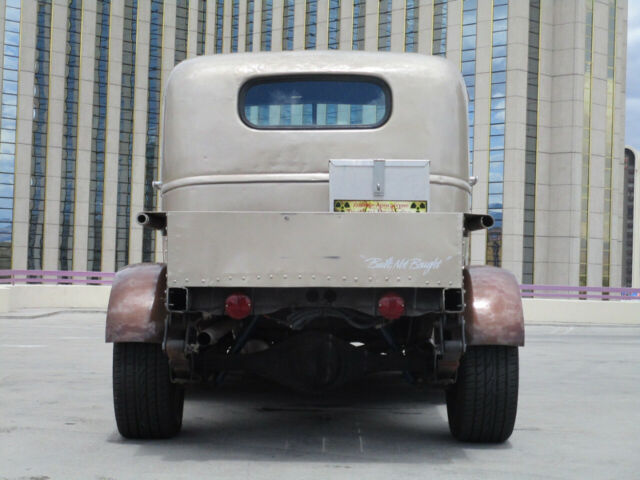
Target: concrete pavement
(578, 416)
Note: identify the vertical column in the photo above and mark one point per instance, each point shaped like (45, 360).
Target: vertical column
(322, 27)
(516, 34)
(85, 131)
(454, 17)
(371, 25)
(347, 22)
(192, 32)
(112, 139)
(399, 14)
(242, 25)
(305, 24)
(226, 29)
(277, 25)
(210, 37)
(425, 25)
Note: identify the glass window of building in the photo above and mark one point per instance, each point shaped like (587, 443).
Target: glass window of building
(439, 39)
(384, 25)
(311, 24)
(496, 139)
(123, 216)
(202, 26)
(182, 27)
(359, 15)
(219, 25)
(287, 24)
(98, 136)
(8, 129)
(468, 64)
(248, 39)
(334, 24)
(153, 123)
(39, 135)
(411, 17)
(69, 136)
(531, 145)
(267, 21)
(235, 23)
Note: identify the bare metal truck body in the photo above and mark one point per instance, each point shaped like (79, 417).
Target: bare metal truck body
(314, 229)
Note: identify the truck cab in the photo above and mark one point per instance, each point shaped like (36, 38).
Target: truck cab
(314, 226)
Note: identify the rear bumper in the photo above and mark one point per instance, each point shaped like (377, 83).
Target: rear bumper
(324, 250)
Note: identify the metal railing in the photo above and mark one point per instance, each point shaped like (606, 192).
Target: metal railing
(61, 277)
(572, 292)
(58, 277)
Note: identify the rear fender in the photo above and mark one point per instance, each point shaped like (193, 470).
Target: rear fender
(136, 311)
(493, 312)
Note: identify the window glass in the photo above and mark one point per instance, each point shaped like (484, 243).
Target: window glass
(316, 102)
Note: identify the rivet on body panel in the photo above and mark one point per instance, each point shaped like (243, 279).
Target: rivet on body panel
(370, 279)
(386, 279)
(344, 279)
(313, 277)
(258, 277)
(450, 282)
(398, 279)
(244, 278)
(230, 277)
(217, 279)
(285, 275)
(438, 282)
(355, 279)
(409, 278)
(300, 277)
(328, 277)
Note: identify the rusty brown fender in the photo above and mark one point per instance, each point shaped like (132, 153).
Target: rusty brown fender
(136, 311)
(493, 314)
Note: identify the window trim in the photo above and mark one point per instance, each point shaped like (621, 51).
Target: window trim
(311, 77)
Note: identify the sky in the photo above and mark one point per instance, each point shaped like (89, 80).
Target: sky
(633, 76)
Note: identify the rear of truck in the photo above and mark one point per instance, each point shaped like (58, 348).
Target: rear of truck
(314, 229)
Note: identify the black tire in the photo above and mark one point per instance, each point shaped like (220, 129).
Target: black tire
(482, 404)
(147, 404)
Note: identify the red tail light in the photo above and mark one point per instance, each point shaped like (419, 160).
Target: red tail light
(237, 306)
(391, 306)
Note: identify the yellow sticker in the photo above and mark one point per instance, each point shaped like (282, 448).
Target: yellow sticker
(379, 206)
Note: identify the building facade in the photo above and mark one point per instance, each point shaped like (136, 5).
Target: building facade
(81, 118)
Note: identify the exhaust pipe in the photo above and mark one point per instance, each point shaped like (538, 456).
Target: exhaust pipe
(212, 334)
(153, 220)
(474, 221)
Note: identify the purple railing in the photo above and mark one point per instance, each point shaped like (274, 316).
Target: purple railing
(579, 293)
(12, 277)
(61, 277)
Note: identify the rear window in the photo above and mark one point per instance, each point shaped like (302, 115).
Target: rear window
(329, 101)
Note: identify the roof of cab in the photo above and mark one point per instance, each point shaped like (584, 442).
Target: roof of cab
(203, 133)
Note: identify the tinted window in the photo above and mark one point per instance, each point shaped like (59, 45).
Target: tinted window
(315, 102)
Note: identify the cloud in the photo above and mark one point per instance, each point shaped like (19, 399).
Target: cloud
(632, 129)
